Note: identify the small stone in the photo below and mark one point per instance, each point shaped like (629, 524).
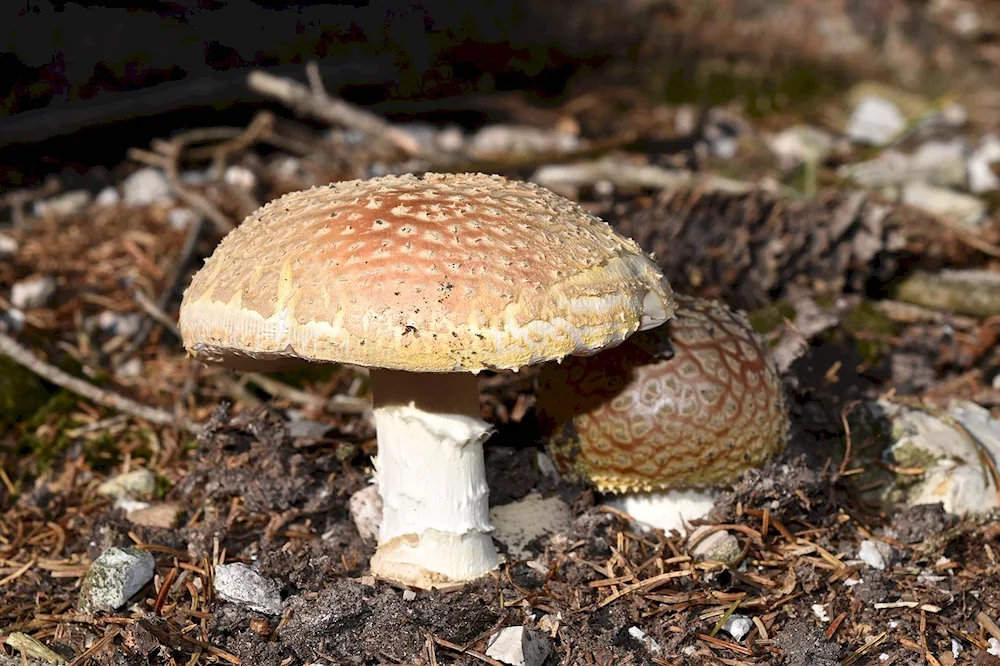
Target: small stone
(107, 197)
(519, 646)
(737, 626)
(8, 246)
(165, 515)
(876, 554)
(241, 585)
(941, 162)
(819, 610)
(800, 143)
(519, 523)
(137, 483)
(964, 208)
(181, 218)
(118, 323)
(34, 292)
(240, 176)
(641, 636)
(719, 546)
(875, 120)
(12, 321)
(130, 369)
(366, 511)
(980, 165)
(409, 595)
(994, 648)
(63, 205)
(196, 177)
(114, 577)
(450, 139)
(145, 187)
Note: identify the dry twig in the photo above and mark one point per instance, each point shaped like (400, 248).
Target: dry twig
(24, 357)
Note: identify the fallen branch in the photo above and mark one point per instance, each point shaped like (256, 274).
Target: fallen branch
(318, 104)
(26, 358)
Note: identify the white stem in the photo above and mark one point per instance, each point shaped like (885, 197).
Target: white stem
(665, 510)
(432, 478)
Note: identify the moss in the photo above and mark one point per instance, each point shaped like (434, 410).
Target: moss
(766, 319)
(867, 325)
(22, 393)
(759, 90)
(910, 456)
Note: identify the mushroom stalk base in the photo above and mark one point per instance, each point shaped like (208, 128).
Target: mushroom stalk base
(435, 526)
(666, 510)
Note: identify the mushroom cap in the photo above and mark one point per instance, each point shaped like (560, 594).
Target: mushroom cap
(432, 273)
(690, 404)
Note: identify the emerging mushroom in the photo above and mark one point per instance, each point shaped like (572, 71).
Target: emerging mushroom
(427, 281)
(668, 416)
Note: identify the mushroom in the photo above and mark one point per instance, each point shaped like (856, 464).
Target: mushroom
(427, 281)
(667, 417)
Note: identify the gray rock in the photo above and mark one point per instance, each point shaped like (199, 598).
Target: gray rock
(145, 187)
(876, 554)
(12, 321)
(114, 577)
(941, 162)
(519, 646)
(737, 626)
(719, 546)
(964, 208)
(137, 483)
(242, 585)
(953, 470)
(876, 121)
(34, 292)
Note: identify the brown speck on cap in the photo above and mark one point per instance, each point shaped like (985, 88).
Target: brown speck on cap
(690, 404)
(437, 273)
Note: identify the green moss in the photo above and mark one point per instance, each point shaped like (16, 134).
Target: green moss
(913, 457)
(867, 324)
(759, 90)
(766, 319)
(22, 393)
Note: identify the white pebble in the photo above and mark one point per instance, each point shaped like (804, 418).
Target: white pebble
(519, 646)
(33, 293)
(876, 554)
(738, 626)
(107, 197)
(8, 246)
(240, 176)
(640, 635)
(146, 186)
(876, 121)
(366, 511)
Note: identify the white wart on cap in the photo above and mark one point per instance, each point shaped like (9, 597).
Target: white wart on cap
(423, 280)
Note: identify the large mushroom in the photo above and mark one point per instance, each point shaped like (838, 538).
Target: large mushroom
(426, 281)
(669, 416)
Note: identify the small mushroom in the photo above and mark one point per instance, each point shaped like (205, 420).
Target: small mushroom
(669, 416)
(427, 281)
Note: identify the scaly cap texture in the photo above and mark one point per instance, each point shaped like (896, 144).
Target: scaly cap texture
(436, 273)
(690, 404)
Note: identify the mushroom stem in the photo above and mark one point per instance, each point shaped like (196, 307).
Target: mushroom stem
(665, 509)
(432, 478)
